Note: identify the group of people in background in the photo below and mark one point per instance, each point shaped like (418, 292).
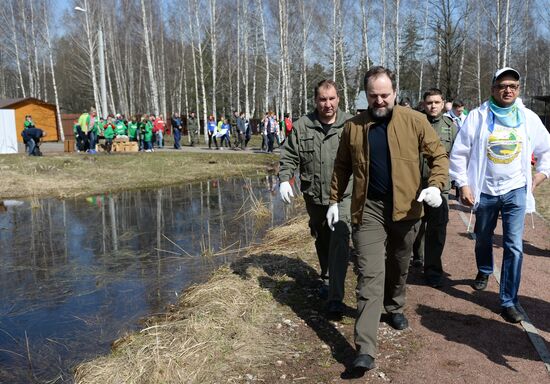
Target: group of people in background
(236, 126)
(147, 131)
(274, 130)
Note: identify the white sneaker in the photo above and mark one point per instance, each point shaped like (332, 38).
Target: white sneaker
(148, 150)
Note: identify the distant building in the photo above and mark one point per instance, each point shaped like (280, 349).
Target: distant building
(43, 114)
(361, 103)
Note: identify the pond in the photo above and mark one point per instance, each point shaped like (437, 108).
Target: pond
(78, 274)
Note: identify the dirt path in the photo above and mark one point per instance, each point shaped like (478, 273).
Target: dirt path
(464, 339)
(456, 334)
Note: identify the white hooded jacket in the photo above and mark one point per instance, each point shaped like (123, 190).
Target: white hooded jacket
(468, 159)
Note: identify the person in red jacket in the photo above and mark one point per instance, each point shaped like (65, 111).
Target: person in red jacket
(158, 129)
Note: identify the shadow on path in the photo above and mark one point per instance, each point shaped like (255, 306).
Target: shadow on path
(495, 339)
(300, 294)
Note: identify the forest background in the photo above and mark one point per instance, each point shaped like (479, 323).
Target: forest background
(216, 56)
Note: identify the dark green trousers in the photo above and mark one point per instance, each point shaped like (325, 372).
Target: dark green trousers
(430, 240)
(332, 246)
(383, 253)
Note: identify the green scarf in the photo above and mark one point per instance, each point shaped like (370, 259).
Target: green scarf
(510, 117)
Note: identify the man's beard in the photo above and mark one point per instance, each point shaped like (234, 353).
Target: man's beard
(380, 113)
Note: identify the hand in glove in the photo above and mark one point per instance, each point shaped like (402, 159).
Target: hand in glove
(332, 215)
(285, 190)
(431, 196)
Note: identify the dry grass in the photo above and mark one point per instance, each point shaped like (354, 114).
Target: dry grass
(68, 175)
(542, 197)
(218, 332)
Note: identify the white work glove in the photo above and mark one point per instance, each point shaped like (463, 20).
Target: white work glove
(285, 190)
(332, 215)
(431, 196)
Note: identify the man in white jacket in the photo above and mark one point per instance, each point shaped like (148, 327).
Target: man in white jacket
(491, 164)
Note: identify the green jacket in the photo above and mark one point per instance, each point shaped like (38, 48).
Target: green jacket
(446, 130)
(148, 135)
(192, 124)
(98, 127)
(132, 129)
(312, 151)
(109, 132)
(120, 128)
(29, 124)
(410, 136)
(84, 122)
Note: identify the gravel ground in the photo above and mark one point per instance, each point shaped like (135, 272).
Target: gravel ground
(464, 338)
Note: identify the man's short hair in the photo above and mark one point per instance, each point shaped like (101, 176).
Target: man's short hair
(405, 102)
(458, 104)
(433, 92)
(326, 83)
(378, 71)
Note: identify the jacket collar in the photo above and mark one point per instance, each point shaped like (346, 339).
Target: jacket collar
(313, 120)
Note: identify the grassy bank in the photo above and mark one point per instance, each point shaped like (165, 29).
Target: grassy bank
(258, 319)
(68, 175)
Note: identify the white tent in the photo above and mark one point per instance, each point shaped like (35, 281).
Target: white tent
(8, 133)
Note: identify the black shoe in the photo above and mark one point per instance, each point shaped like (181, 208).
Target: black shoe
(323, 291)
(399, 321)
(512, 315)
(434, 281)
(480, 283)
(364, 362)
(335, 310)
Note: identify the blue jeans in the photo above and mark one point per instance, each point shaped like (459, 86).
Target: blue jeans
(177, 138)
(512, 208)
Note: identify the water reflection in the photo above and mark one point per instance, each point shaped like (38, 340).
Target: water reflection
(77, 274)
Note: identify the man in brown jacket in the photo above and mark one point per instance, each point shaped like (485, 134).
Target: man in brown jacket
(381, 148)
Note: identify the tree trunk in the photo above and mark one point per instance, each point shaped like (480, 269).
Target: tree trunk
(334, 38)
(35, 53)
(397, 50)
(264, 40)
(246, 64)
(506, 34)
(213, 47)
(150, 67)
(30, 71)
(364, 33)
(16, 45)
(383, 39)
(425, 38)
(201, 68)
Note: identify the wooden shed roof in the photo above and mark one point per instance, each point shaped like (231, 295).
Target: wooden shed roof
(5, 103)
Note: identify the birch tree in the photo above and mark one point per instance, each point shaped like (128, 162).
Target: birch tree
(52, 69)
(150, 67)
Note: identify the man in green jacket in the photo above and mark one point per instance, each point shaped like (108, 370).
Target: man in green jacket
(429, 243)
(311, 147)
(193, 128)
(381, 148)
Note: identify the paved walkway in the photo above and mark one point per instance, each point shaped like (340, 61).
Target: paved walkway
(53, 147)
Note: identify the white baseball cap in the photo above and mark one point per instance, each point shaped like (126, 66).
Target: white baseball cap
(506, 70)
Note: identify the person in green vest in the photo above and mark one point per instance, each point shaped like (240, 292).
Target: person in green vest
(133, 129)
(28, 122)
(98, 126)
(146, 133)
(430, 240)
(109, 133)
(120, 126)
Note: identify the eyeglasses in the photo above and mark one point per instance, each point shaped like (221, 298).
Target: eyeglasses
(511, 87)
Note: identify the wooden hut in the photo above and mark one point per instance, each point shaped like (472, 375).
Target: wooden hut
(43, 114)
